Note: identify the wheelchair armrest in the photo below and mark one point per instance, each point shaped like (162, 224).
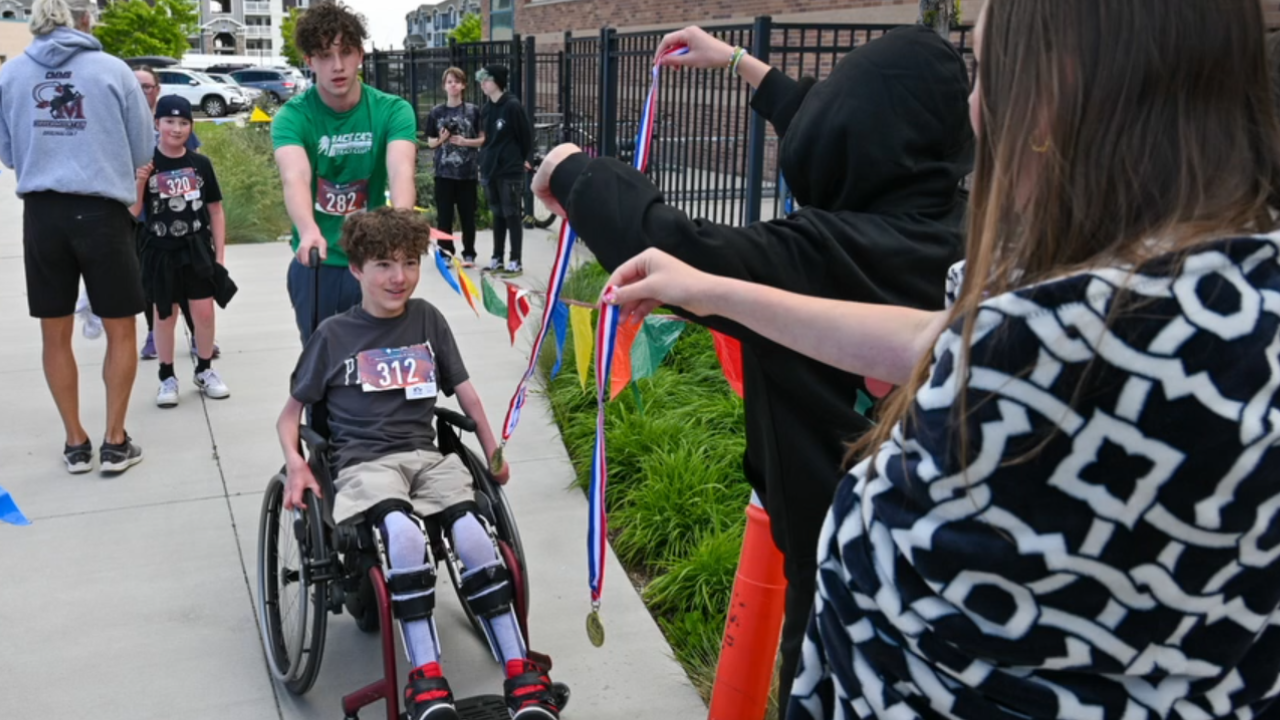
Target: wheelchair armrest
(317, 443)
(456, 419)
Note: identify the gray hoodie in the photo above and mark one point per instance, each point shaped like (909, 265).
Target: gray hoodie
(73, 119)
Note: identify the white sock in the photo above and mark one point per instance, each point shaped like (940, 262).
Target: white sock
(407, 548)
(475, 549)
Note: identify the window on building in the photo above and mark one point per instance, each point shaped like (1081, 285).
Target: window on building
(219, 6)
(9, 15)
(501, 20)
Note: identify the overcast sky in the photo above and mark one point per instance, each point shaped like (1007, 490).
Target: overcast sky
(386, 19)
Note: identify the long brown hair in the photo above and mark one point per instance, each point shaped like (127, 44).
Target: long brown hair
(1106, 124)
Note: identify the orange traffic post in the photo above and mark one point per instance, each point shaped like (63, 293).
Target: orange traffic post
(754, 626)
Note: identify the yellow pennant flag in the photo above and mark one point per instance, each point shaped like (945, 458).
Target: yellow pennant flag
(583, 340)
(259, 117)
(468, 287)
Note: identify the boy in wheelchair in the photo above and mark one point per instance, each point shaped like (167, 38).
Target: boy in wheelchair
(378, 368)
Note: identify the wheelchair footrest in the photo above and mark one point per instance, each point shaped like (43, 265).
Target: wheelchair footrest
(483, 707)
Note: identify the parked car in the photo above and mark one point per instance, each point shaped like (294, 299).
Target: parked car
(250, 93)
(215, 99)
(278, 84)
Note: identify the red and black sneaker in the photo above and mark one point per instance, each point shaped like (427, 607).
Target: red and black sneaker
(427, 696)
(530, 693)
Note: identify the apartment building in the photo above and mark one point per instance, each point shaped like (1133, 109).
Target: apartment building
(429, 25)
(242, 27)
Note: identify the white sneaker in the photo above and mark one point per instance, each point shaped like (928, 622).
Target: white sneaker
(210, 383)
(92, 326)
(513, 269)
(167, 396)
(494, 265)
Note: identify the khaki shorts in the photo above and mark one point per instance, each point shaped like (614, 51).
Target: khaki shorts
(431, 482)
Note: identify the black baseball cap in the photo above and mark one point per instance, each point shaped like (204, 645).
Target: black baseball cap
(173, 106)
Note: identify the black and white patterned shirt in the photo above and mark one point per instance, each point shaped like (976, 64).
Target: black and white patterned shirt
(1109, 549)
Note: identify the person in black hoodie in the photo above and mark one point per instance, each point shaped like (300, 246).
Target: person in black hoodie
(875, 154)
(508, 141)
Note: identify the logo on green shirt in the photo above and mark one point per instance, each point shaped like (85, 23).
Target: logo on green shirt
(357, 143)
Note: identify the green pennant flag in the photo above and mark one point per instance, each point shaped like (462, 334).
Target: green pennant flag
(492, 303)
(656, 338)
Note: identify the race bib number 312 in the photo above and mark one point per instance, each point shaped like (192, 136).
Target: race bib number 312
(342, 198)
(412, 369)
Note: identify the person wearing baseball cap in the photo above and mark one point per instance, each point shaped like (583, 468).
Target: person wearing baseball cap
(183, 254)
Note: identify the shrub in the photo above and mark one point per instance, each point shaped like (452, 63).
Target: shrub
(252, 196)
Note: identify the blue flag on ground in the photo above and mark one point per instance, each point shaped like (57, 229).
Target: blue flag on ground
(443, 266)
(559, 321)
(9, 511)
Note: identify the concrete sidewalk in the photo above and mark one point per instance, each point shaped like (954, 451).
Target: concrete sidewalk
(132, 597)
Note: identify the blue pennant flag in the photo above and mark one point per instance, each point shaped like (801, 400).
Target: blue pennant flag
(443, 266)
(9, 511)
(560, 321)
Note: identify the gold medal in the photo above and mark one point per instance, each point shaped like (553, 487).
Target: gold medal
(595, 628)
(496, 462)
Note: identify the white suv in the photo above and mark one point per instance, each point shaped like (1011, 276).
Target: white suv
(213, 98)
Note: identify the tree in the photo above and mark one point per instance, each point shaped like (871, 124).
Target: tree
(287, 27)
(133, 28)
(468, 31)
(941, 15)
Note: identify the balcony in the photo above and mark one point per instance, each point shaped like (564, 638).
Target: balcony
(258, 31)
(257, 8)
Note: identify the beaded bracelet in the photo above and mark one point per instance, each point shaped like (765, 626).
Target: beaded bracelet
(738, 53)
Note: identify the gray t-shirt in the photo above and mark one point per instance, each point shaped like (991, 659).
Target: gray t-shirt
(454, 161)
(379, 378)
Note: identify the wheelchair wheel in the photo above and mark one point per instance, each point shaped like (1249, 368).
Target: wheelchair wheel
(291, 606)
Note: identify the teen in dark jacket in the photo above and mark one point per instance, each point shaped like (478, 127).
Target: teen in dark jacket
(875, 154)
(508, 142)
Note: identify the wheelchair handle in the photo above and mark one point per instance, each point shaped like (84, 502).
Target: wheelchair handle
(313, 259)
(456, 419)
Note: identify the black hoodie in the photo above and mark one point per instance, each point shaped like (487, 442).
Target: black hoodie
(508, 138)
(876, 154)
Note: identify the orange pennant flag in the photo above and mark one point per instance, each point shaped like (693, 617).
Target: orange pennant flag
(438, 234)
(729, 350)
(468, 288)
(620, 373)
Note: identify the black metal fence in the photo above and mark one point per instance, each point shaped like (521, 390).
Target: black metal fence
(711, 155)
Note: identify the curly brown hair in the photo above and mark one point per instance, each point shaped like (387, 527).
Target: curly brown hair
(323, 23)
(385, 234)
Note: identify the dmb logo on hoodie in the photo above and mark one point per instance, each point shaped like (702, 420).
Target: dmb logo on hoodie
(357, 143)
(64, 103)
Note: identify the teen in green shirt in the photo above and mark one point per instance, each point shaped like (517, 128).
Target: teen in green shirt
(341, 145)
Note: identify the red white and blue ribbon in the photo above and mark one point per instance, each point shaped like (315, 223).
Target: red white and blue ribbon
(644, 134)
(597, 522)
(559, 271)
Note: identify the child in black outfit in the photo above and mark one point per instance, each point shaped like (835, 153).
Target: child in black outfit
(182, 258)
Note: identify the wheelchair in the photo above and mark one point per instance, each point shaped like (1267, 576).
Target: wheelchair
(309, 567)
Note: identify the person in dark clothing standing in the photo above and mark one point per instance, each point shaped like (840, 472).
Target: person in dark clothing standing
(508, 141)
(875, 154)
(454, 132)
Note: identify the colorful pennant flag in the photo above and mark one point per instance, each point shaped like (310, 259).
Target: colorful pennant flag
(878, 388)
(492, 302)
(559, 321)
(621, 366)
(656, 339)
(443, 266)
(583, 342)
(518, 308)
(9, 511)
(729, 350)
(468, 288)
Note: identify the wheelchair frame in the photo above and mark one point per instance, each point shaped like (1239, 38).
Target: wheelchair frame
(343, 566)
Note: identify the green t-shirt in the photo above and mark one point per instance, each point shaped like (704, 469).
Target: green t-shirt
(348, 154)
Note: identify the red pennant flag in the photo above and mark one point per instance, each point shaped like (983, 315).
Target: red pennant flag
(620, 374)
(878, 388)
(518, 308)
(729, 350)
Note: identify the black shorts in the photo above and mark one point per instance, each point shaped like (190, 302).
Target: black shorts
(66, 237)
(505, 196)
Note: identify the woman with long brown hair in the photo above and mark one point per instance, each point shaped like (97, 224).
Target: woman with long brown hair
(1069, 507)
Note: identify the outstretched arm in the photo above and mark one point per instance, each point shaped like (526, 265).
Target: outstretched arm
(469, 399)
(880, 341)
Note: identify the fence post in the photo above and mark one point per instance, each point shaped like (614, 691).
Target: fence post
(531, 76)
(413, 82)
(566, 87)
(516, 68)
(608, 138)
(761, 44)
